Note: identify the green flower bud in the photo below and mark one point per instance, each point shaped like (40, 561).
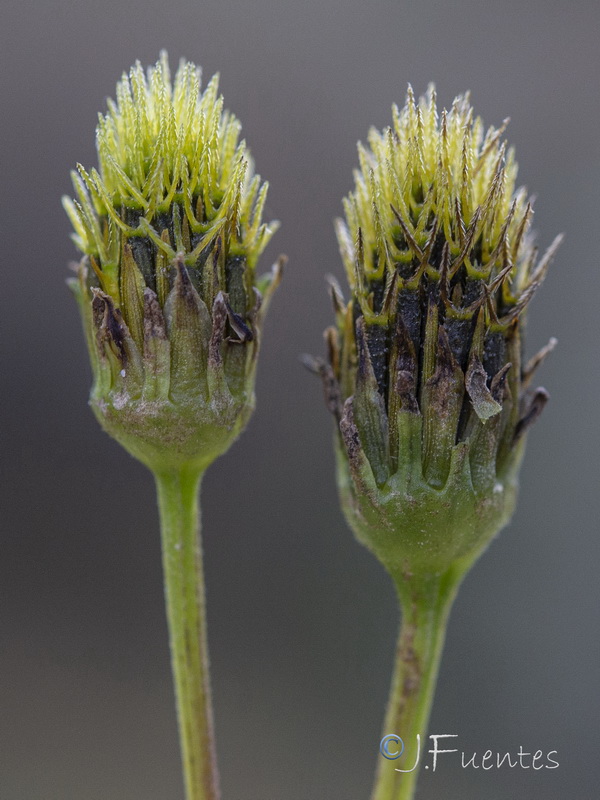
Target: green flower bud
(171, 228)
(425, 374)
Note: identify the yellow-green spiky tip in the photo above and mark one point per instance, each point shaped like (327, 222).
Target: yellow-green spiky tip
(161, 142)
(436, 194)
(170, 224)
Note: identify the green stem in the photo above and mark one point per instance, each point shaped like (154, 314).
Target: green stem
(426, 603)
(185, 599)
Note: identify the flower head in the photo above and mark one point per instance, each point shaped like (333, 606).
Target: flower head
(171, 229)
(424, 374)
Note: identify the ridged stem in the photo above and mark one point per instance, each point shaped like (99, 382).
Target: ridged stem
(425, 602)
(178, 502)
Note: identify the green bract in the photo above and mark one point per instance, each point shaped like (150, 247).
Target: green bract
(171, 228)
(424, 374)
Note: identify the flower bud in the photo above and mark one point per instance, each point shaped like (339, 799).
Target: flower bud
(424, 372)
(171, 230)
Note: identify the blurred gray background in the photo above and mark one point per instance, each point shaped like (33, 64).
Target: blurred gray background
(302, 620)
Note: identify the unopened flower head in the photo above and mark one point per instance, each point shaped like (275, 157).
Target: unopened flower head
(424, 374)
(171, 228)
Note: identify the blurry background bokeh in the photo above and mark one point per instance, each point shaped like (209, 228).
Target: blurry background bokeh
(302, 621)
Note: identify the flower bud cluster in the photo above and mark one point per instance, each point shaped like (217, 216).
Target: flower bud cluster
(171, 229)
(425, 374)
